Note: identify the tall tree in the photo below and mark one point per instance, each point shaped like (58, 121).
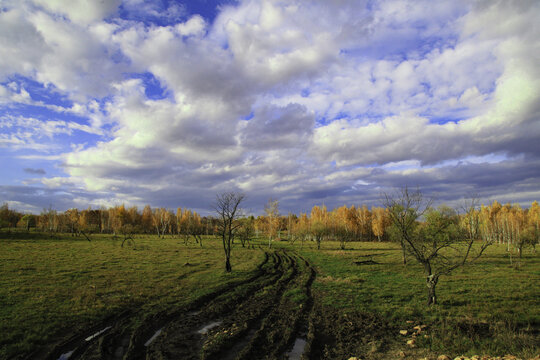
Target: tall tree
(319, 224)
(271, 210)
(227, 207)
(301, 228)
(379, 221)
(146, 219)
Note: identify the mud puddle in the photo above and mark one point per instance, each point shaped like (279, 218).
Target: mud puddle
(66, 356)
(298, 349)
(156, 334)
(204, 330)
(92, 337)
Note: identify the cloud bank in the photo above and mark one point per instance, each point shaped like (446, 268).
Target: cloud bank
(305, 102)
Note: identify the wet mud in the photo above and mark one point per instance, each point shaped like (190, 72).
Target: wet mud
(264, 317)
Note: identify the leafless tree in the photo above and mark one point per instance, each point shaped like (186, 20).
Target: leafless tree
(406, 208)
(227, 207)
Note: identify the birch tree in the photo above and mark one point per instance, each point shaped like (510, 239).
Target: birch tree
(271, 210)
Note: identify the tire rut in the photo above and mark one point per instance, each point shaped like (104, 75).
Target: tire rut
(181, 339)
(250, 318)
(281, 329)
(272, 333)
(261, 317)
(83, 344)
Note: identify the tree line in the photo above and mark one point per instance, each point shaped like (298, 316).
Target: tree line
(507, 224)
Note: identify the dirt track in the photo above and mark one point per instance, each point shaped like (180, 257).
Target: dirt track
(263, 317)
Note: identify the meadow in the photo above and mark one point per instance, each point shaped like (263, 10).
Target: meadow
(339, 303)
(490, 307)
(55, 286)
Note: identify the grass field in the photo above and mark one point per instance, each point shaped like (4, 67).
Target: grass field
(489, 307)
(53, 287)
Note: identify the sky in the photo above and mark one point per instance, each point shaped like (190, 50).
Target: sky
(169, 103)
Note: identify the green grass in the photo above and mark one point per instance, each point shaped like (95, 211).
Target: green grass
(487, 307)
(50, 287)
(53, 287)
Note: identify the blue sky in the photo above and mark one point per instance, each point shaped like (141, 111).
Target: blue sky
(168, 102)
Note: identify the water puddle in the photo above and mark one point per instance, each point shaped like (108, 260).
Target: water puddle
(92, 337)
(297, 350)
(66, 356)
(156, 334)
(209, 327)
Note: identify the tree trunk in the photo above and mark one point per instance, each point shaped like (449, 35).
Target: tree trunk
(404, 253)
(228, 267)
(431, 284)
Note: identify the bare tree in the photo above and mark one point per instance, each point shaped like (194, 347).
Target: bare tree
(441, 243)
(406, 208)
(227, 207)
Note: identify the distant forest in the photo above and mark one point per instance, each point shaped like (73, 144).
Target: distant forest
(509, 224)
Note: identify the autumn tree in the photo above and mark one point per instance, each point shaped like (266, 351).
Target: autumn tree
(302, 228)
(161, 219)
(271, 209)
(533, 224)
(319, 224)
(246, 231)
(89, 222)
(364, 222)
(343, 224)
(50, 219)
(198, 228)
(146, 219)
(291, 220)
(184, 223)
(227, 207)
(189, 224)
(379, 221)
(29, 221)
(72, 217)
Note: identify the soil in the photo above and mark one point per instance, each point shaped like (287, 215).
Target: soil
(259, 318)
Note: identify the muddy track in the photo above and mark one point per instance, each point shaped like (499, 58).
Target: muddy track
(76, 345)
(263, 317)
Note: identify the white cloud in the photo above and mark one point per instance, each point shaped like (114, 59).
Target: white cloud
(21, 45)
(81, 11)
(299, 99)
(34, 134)
(194, 26)
(79, 61)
